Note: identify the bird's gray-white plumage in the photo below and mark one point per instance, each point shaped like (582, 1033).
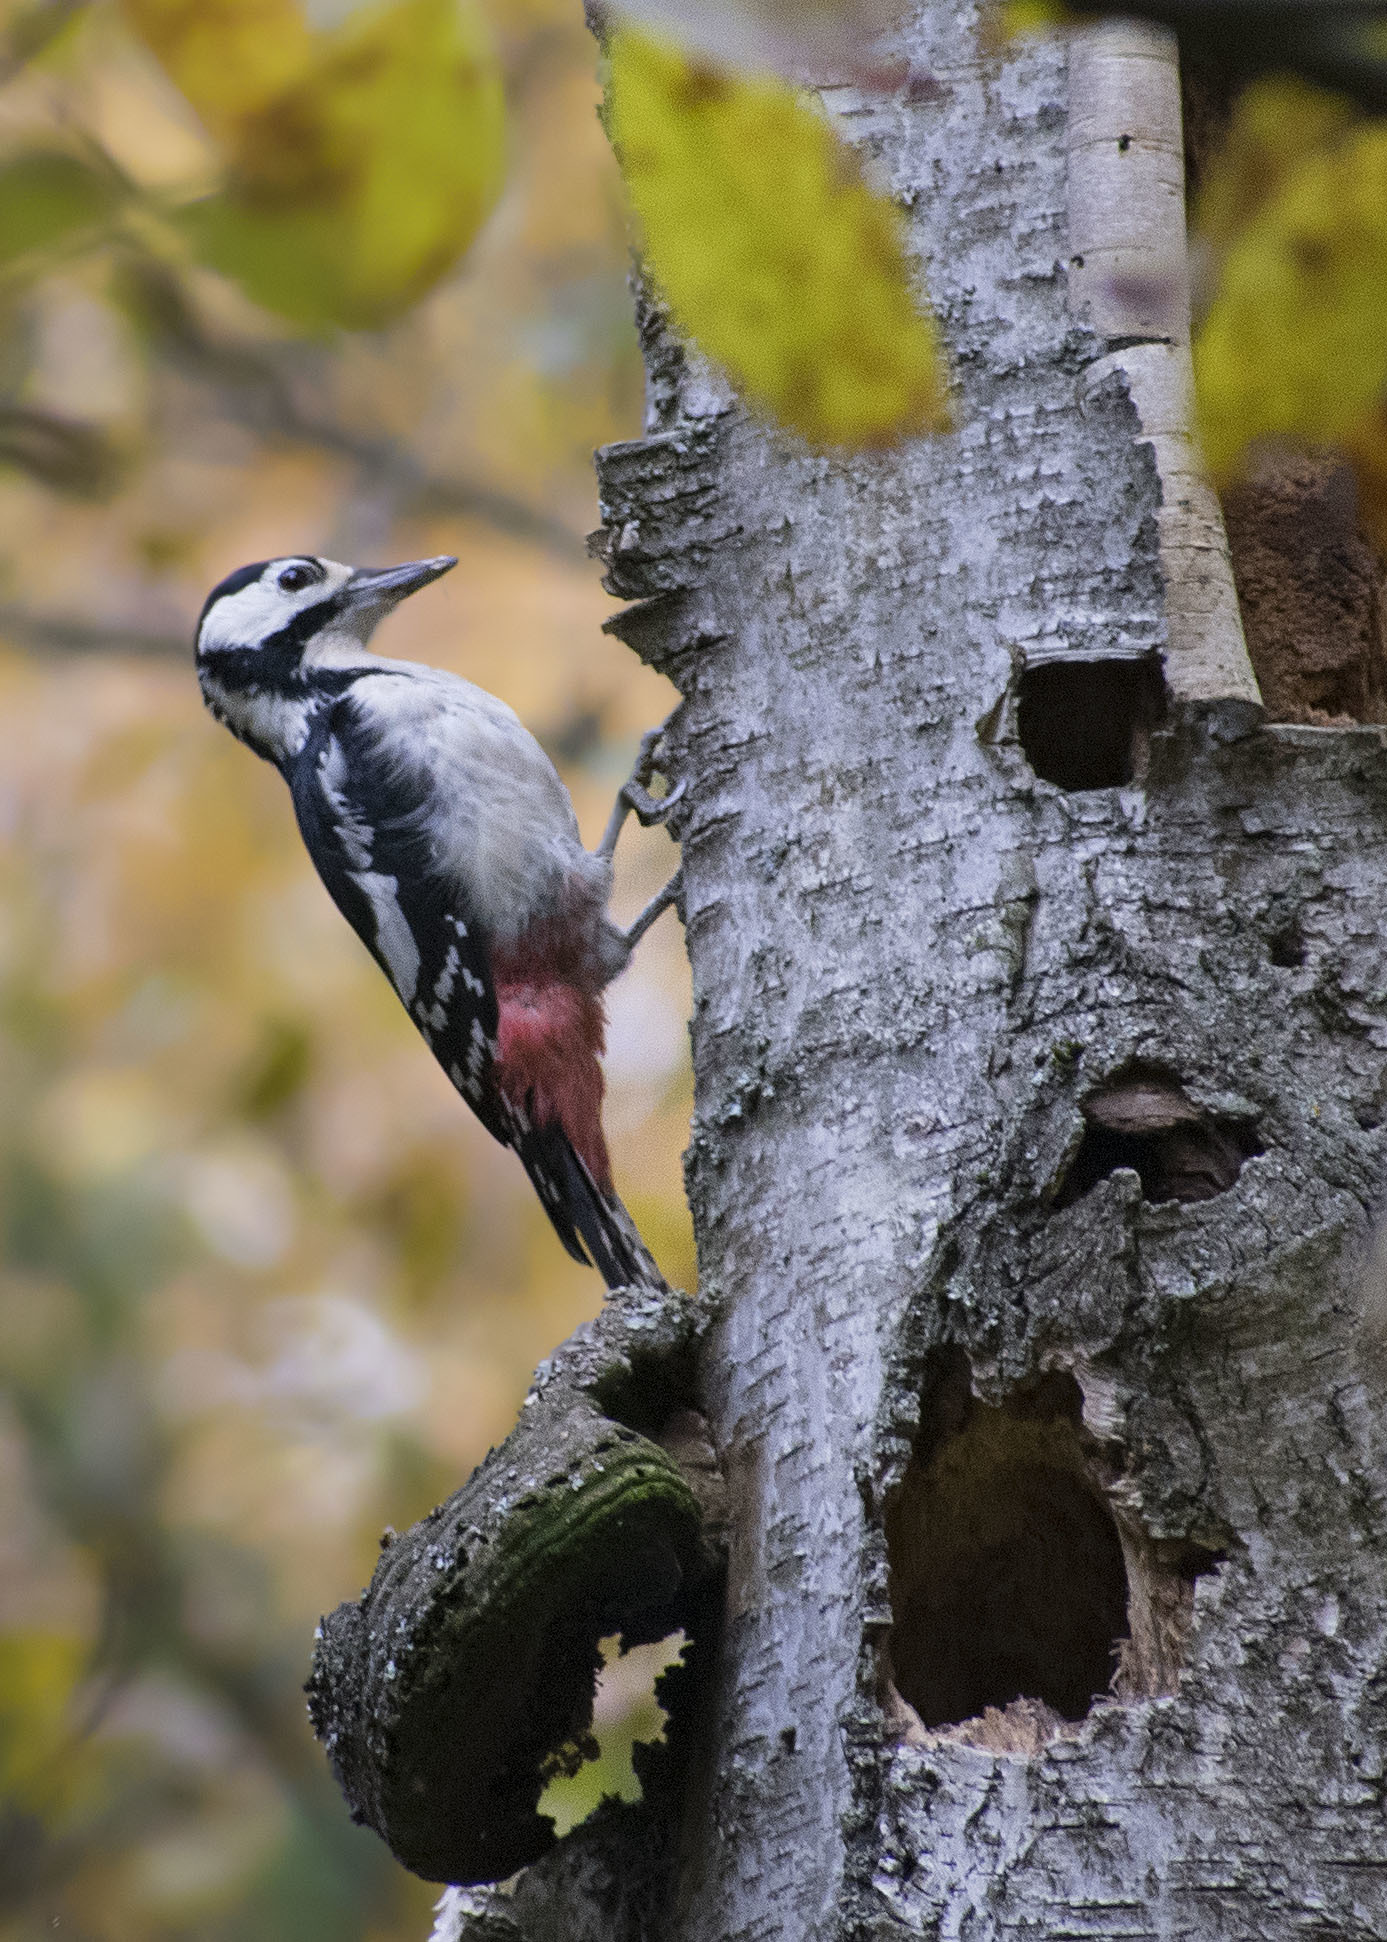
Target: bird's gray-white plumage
(448, 840)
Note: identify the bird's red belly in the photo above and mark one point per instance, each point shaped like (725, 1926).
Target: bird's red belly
(549, 1041)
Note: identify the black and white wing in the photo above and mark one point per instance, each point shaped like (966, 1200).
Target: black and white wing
(370, 825)
(365, 826)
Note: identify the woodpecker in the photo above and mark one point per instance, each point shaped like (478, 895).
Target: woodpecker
(446, 838)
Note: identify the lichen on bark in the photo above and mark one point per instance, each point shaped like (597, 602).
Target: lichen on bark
(463, 1678)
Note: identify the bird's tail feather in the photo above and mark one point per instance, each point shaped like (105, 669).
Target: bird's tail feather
(593, 1225)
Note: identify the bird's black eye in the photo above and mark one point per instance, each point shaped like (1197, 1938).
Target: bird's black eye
(294, 577)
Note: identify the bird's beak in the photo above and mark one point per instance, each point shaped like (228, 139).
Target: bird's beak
(378, 588)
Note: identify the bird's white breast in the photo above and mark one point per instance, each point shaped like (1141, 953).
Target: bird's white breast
(499, 819)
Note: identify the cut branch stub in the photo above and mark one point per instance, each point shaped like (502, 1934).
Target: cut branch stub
(448, 1696)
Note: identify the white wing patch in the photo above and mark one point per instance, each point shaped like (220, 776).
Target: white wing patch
(394, 939)
(436, 1015)
(352, 831)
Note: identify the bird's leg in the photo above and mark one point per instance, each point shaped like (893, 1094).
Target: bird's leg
(661, 901)
(634, 799)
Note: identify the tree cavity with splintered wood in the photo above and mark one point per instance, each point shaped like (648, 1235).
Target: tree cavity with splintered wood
(446, 838)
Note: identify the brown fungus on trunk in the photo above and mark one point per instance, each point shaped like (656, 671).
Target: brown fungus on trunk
(1144, 1120)
(1311, 586)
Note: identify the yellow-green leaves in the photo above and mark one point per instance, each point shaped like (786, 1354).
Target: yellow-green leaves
(229, 57)
(49, 199)
(39, 1672)
(361, 163)
(1295, 342)
(771, 250)
(1278, 124)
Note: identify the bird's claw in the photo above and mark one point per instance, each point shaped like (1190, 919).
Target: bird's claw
(634, 797)
(648, 810)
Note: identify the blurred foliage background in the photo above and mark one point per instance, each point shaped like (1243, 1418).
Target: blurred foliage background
(266, 1285)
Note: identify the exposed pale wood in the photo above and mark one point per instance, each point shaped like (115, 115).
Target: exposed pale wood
(1129, 279)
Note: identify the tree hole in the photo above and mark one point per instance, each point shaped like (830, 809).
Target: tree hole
(1017, 1598)
(1286, 946)
(1087, 724)
(1143, 1119)
(1007, 1574)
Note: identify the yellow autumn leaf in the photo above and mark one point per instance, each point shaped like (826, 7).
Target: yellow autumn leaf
(229, 57)
(39, 1672)
(1010, 19)
(771, 249)
(361, 163)
(1295, 341)
(1278, 123)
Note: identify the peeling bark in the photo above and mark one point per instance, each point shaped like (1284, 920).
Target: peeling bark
(1040, 1040)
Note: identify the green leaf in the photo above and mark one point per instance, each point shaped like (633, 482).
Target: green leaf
(771, 249)
(1295, 342)
(47, 199)
(361, 163)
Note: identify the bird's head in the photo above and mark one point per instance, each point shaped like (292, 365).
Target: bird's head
(266, 627)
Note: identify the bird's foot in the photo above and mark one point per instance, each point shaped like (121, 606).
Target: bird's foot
(658, 904)
(634, 797)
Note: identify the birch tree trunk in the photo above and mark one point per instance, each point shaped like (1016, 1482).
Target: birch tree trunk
(1040, 1036)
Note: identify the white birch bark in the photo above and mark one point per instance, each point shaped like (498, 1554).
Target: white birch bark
(1129, 278)
(922, 975)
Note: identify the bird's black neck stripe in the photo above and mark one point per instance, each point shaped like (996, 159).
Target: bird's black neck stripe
(255, 671)
(275, 666)
(295, 634)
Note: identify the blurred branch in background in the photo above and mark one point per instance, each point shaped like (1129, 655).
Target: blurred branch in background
(31, 29)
